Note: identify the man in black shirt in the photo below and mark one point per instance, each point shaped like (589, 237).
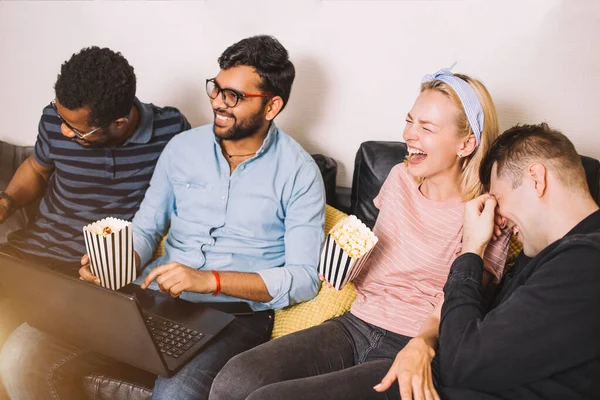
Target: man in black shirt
(540, 337)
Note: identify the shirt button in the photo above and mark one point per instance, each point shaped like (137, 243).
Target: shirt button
(243, 167)
(222, 197)
(187, 185)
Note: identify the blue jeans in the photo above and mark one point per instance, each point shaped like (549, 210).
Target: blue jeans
(35, 365)
(340, 359)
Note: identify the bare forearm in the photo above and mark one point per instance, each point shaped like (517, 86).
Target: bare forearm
(430, 330)
(176, 278)
(249, 286)
(28, 183)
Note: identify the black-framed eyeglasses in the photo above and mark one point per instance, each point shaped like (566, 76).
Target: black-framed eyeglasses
(230, 97)
(75, 131)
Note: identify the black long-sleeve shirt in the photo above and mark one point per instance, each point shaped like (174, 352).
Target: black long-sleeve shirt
(540, 339)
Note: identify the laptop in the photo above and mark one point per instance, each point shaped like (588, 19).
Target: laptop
(143, 328)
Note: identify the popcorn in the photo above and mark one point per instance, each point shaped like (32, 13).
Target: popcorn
(106, 226)
(346, 249)
(353, 236)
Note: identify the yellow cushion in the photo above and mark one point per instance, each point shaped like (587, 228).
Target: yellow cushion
(332, 217)
(328, 303)
(160, 249)
(514, 248)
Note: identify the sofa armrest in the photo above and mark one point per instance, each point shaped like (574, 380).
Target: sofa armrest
(11, 156)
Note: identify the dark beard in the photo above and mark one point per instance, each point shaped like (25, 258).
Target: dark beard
(244, 129)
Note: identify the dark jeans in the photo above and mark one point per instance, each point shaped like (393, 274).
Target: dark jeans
(35, 365)
(340, 359)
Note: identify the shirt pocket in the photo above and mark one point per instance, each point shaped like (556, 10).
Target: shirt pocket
(190, 197)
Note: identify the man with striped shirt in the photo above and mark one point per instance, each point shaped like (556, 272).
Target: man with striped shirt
(94, 156)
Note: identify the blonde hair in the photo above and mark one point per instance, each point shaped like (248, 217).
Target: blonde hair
(470, 185)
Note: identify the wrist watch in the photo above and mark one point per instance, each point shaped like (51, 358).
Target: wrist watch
(9, 200)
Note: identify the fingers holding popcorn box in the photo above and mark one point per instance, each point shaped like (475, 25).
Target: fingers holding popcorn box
(109, 244)
(347, 247)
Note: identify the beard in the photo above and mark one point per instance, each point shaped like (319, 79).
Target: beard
(241, 129)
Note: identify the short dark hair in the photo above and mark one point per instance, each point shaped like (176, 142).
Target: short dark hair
(270, 60)
(99, 79)
(521, 145)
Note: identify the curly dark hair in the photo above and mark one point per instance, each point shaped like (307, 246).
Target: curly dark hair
(270, 60)
(99, 79)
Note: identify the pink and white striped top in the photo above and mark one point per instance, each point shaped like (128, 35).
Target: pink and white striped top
(418, 241)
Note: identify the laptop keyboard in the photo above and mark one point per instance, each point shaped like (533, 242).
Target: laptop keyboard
(173, 339)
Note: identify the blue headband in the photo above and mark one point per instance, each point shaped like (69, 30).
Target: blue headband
(467, 97)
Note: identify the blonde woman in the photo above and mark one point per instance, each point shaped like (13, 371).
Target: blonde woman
(421, 206)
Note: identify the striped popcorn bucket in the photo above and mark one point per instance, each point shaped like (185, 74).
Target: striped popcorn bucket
(111, 254)
(337, 266)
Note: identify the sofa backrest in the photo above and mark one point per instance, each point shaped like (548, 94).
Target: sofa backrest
(11, 157)
(375, 159)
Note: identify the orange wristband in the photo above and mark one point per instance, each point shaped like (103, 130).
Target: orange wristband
(218, 278)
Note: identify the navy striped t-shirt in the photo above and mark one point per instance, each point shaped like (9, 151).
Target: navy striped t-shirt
(89, 184)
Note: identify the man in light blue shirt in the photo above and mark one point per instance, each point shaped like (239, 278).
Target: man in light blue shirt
(244, 206)
(258, 225)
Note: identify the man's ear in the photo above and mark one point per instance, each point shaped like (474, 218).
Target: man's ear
(539, 176)
(468, 146)
(273, 107)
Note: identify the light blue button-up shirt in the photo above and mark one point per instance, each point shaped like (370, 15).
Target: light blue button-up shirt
(267, 217)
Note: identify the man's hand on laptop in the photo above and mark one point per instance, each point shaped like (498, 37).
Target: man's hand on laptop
(174, 278)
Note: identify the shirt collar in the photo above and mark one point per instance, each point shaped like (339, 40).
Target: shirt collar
(269, 139)
(143, 133)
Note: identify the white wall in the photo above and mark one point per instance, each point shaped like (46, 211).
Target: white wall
(359, 63)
